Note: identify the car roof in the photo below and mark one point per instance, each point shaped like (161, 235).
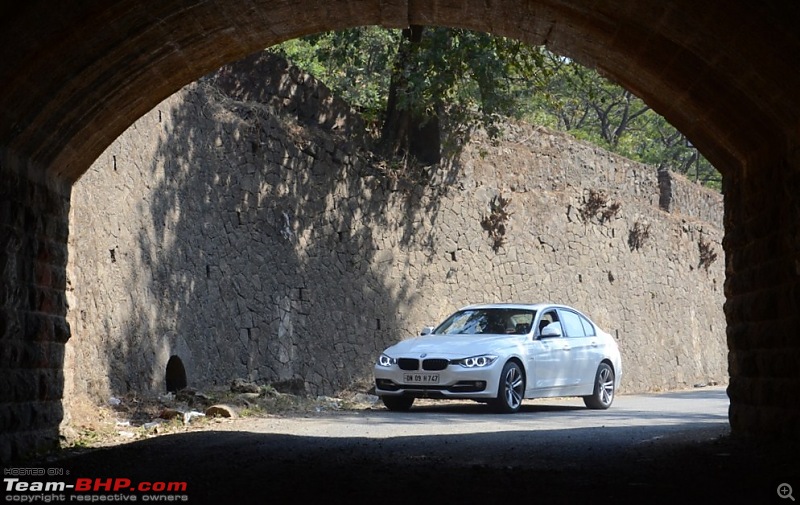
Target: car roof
(528, 306)
(538, 307)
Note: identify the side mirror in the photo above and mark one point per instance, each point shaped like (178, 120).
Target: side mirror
(552, 330)
(426, 330)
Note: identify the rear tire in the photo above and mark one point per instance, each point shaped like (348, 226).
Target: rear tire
(603, 394)
(511, 391)
(398, 403)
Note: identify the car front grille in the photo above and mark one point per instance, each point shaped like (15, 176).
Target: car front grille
(432, 364)
(408, 364)
(435, 364)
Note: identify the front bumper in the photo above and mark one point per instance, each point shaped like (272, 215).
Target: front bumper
(453, 381)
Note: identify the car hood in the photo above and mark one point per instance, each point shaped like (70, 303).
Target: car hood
(452, 346)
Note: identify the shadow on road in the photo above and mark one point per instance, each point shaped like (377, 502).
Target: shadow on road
(698, 463)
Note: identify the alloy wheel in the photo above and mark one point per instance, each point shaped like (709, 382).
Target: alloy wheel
(605, 383)
(514, 387)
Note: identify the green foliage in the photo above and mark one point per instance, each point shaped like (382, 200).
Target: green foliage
(355, 64)
(580, 101)
(473, 76)
(475, 79)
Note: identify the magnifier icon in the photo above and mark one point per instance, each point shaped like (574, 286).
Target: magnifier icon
(785, 491)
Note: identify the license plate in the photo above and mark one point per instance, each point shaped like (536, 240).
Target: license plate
(421, 378)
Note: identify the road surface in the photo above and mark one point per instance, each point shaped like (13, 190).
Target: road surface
(660, 448)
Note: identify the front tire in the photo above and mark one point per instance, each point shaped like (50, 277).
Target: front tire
(511, 390)
(398, 403)
(603, 394)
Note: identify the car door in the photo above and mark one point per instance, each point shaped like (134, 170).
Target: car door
(546, 358)
(581, 363)
(595, 352)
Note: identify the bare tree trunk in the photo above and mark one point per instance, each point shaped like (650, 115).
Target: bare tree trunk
(406, 132)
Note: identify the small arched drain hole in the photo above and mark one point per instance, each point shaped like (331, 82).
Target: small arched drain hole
(176, 375)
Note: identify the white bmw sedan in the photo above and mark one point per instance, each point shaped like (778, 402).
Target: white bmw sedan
(501, 354)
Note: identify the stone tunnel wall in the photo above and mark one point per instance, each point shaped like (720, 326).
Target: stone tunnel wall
(243, 227)
(33, 326)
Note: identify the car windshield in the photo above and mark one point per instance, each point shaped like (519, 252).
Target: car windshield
(495, 321)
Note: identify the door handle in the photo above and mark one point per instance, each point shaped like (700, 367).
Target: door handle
(567, 348)
(594, 343)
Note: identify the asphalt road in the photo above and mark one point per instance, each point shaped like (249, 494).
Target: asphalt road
(665, 448)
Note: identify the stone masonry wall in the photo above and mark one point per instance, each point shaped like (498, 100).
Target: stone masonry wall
(33, 328)
(242, 226)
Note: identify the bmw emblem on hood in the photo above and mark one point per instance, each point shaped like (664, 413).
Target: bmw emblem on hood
(423, 354)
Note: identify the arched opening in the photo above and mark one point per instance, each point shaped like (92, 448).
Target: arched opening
(569, 224)
(175, 375)
(79, 77)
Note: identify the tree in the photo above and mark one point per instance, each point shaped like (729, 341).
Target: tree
(580, 101)
(411, 126)
(416, 83)
(355, 64)
(431, 76)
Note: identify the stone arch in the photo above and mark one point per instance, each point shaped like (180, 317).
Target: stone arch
(689, 62)
(725, 74)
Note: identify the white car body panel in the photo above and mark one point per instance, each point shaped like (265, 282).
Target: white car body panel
(553, 366)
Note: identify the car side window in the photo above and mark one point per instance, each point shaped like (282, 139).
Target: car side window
(588, 327)
(572, 324)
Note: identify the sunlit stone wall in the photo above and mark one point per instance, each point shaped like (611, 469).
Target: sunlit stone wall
(243, 226)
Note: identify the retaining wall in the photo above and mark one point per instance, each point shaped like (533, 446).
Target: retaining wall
(242, 226)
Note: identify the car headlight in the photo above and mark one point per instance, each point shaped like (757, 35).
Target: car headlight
(477, 361)
(384, 360)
